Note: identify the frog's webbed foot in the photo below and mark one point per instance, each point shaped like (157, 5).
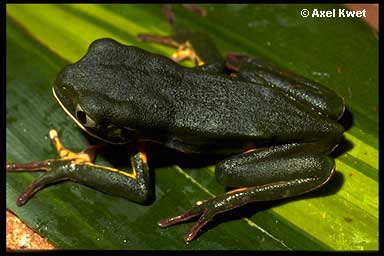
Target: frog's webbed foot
(79, 167)
(47, 165)
(51, 166)
(206, 210)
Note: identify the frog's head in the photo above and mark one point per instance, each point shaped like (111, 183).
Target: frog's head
(94, 91)
(92, 114)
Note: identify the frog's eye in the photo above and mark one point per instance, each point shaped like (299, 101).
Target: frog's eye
(83, 118)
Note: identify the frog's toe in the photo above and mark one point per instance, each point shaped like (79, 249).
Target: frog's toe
(206, 211)
(195, 211)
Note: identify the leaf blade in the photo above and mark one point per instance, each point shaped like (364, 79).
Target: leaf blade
(51, 45)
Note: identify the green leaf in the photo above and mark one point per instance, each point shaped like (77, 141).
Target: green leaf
(340, 53)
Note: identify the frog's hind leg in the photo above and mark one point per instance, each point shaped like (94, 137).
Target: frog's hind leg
(305, 91)
(79, 167)
(262, 175)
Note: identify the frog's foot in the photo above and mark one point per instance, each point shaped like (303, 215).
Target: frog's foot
(79, 167)
(184, 50)
(66, 159)
(49, 177)
(206, 210)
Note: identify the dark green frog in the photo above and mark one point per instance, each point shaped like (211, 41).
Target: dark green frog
(278, 126)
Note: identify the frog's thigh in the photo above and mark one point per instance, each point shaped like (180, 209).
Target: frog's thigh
(276, 172)
(306, 91)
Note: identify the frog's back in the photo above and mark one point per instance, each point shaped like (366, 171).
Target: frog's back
(212, 108)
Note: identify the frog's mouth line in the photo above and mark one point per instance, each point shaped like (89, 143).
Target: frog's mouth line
(77, 121)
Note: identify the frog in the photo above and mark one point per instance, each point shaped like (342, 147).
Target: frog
(275, 128)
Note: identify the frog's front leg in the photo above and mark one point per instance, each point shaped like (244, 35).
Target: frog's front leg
(183, 46)
(79, 167)
(262, 175)
(184, 49)
(191, 45)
